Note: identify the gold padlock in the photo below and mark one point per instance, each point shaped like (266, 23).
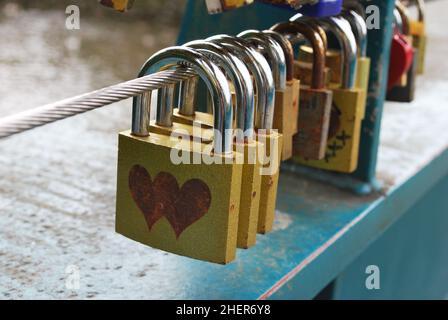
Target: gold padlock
(286, 114)
(418, 32)
(348, 109)
(241, 81)
(359, 29)
(286, 92)
(269, 156)
(315, 99)
(166, 201)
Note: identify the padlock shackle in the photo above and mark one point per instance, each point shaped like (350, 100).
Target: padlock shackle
(216, 83)
(238, 73)
(312, 22)
(342, 30)
(273, 50)
(404, 15)
(319, 51)
(420, 8)
(262, 73)
(355, 5)
(359, 28)
(287, 50)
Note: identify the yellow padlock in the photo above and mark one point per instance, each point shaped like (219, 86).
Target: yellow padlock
(359, 29)
(270, 139)
(245, 143)
(166, 201)
(286, 99)
(418, 32)
(315, 98)
(348, 109)
(286, 114)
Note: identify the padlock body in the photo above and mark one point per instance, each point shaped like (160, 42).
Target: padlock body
(304, 72)
(187, 209)
(406, 92)
(314, 119)
(269, 179)
(202, 119)
(333, 61)
(418, 33)
(197, 132)
(250, 193)
(363, 73)
(286, 115)
(342, 149)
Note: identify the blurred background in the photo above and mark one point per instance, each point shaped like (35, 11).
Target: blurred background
(43, 60)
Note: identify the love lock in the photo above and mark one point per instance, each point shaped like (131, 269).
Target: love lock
(418, 32)
(272, 140)
(315, 100)
(349, 101)
(281, 59)
(245, 143)
(404, 90)
(183, 208)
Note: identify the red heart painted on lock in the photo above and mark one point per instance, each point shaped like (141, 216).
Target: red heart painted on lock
(163, 198)
(401, 57)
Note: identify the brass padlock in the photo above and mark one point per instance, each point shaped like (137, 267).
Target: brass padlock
(286, 90)
(405, 90)
(359, 28)
(245, 143)
(271, 139)
(315, 100)
(419, 37)
(170, 203)
(286, 114)
(349, 101)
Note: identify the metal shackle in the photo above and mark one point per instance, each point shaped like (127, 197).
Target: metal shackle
(216, 83)
(355, 5)
(312, 22)
(287, 50)
(420, 8)
(262, 73)
(344, 34)
(238, 73)
(404, 16)
(316, 42)
(274, 52)
(359, 28)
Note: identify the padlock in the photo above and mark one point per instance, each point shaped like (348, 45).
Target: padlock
(348, 111)
(170, 203)
(419, 37)
(401, 54)
(245, 143)
(315, 100)
(404, 91)
(281, 58)
(359, 28)
(271, 139)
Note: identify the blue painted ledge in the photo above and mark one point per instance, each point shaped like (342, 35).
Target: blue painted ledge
(320, 230)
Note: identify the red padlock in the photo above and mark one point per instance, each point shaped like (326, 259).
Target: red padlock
(401, 54)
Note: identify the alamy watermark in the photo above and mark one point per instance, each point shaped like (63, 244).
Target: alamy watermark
(73, 20)
(373, 280)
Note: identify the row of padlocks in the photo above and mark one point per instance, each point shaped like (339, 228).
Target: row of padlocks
(202, 184)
